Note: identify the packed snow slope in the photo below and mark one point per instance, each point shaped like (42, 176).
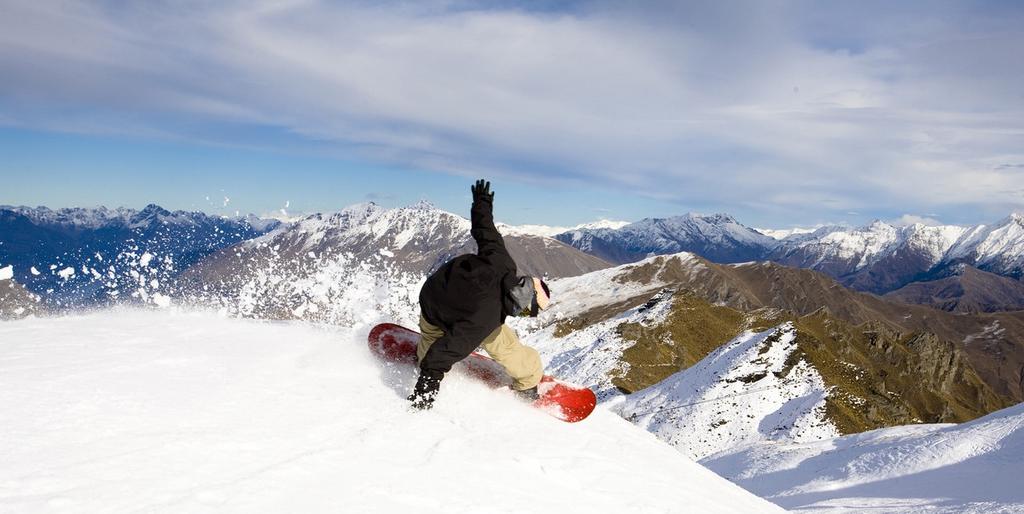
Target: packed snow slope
(974, 467)
(127, 411)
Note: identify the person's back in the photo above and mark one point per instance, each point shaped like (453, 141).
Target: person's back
(464, 305)
(465, 288)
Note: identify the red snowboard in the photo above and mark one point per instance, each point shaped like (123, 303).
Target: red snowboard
(562, 400)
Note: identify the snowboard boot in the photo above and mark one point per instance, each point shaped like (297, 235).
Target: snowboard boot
(427, 386)
(527, 395)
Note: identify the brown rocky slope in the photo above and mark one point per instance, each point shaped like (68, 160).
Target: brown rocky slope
(967, 289)
(992, 343)
(877, 377)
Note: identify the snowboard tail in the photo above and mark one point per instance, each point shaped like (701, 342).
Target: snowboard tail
(565, 401)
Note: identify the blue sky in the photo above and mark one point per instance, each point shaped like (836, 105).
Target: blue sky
(60, 170)
(780, 113)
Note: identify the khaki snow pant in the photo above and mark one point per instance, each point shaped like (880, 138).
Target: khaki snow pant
(521, 362)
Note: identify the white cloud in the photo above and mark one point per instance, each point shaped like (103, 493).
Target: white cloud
(912, 219)
(284, 216)
(690, 103)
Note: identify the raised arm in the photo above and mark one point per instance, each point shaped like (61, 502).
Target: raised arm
(488, 240)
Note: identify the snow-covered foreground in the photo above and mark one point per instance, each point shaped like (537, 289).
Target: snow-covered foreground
(975, 467)
(125, 411)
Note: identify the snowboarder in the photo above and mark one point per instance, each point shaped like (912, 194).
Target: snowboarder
(463, 305)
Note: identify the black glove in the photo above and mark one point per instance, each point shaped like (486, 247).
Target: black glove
(482, 191)
(426, 388)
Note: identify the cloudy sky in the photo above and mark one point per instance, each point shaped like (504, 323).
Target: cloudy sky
(780, 113)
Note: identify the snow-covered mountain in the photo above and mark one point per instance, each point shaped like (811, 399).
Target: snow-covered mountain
(881, 257)
(947, 469)
(784, 233)
(550, 231)
(876, 258)
(182, 412)
(313, 268)
(101, 217)
(420, 237)
(719, 238)
(997, 248)
(79, 257)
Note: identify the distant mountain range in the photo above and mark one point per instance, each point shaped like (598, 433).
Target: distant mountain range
(71, 257)
(549, 231)
(719, 238)
(878, 258)
(76, 257)
(881, 258)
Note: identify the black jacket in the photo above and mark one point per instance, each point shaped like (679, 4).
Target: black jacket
(466, 297)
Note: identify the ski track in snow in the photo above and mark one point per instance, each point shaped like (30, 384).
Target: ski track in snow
(171, 411)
